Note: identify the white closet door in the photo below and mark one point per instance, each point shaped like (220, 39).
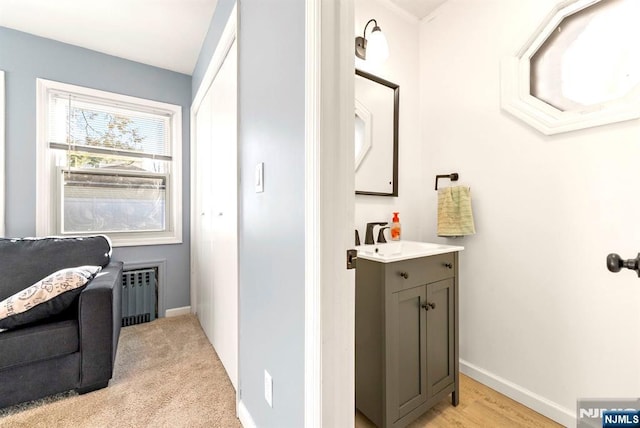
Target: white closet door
(203, 227)
(217, 191)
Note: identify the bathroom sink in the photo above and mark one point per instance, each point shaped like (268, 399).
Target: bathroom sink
(403, 250)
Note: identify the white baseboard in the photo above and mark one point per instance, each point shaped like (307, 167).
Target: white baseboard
(530, 399)
(176, 312)
(245, 417)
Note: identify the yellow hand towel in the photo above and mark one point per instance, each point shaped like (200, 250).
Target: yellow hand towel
(454, 212)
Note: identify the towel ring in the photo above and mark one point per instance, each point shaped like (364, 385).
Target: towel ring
(453, 177)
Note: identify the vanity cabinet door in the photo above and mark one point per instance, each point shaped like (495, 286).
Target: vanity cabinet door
(407, 336)
(440, 335)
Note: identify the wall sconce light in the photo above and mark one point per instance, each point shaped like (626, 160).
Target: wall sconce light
(376, 48)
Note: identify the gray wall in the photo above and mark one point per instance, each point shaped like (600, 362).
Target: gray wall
(218, 21)
(271, 130)
(272, 104)
(24, 58)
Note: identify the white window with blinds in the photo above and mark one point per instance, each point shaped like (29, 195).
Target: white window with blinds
(109, 164)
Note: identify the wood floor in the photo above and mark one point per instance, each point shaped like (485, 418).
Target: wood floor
(479, 406)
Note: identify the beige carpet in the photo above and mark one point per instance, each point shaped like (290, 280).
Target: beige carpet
(166, 375)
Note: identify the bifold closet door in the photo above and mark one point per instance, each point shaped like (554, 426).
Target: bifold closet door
(202, 222)
(217, 168)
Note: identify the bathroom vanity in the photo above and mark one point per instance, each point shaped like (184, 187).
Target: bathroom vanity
(406, 330)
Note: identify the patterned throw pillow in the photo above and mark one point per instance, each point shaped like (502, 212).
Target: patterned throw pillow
(47, 297)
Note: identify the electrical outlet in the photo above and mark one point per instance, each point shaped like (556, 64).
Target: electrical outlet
(268, 388)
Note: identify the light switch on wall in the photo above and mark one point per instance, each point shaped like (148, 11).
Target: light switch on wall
(260, 177)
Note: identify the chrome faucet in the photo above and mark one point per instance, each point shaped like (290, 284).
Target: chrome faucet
(368, 236)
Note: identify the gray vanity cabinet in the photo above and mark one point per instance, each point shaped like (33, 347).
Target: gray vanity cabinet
(406, 337)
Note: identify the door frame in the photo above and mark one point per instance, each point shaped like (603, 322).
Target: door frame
(228, 37)
(329, 214)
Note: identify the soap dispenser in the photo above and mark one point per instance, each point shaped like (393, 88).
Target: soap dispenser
(395, 228)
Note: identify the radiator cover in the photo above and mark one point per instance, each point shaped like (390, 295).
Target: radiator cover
(139, 296)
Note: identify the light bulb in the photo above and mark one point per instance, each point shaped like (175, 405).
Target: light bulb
(377, 46)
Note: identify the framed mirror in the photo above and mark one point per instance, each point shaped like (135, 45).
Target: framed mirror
(376, 135)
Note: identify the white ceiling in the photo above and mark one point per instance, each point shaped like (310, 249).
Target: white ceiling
(163, 33)
(419, 8)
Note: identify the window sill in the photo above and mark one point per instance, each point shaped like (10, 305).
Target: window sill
(123, 241)
(132, 240)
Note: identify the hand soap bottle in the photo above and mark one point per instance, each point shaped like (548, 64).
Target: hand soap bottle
(395, 228)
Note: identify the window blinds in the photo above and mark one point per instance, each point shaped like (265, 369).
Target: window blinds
(89, 125)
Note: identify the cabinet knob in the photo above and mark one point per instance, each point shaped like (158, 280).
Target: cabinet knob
(405, 275)
(448, 265)
(428, 305)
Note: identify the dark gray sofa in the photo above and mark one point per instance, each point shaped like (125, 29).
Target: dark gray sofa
(74, 349)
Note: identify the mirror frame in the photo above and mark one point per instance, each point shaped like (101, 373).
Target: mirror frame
(396, 117)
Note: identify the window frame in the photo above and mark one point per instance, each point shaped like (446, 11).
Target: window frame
(49, 193)
(515, 96)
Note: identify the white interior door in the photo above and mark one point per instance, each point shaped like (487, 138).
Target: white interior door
(216, 247)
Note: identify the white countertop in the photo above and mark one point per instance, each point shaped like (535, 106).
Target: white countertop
(403, 250)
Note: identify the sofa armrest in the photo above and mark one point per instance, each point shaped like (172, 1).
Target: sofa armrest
(99, 321)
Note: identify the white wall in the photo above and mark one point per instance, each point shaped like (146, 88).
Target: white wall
(541, 317)
(401, 31)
